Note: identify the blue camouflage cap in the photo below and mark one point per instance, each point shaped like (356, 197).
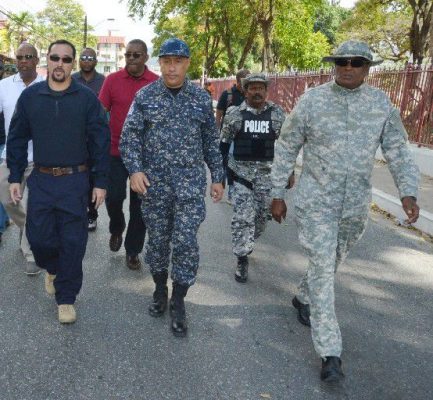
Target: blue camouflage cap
(350, 49)
(174, 47)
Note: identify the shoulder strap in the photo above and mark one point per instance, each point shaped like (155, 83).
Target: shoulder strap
(229, 98)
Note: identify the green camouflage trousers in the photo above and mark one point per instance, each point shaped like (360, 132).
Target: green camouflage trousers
(326, 242)
(251, 210)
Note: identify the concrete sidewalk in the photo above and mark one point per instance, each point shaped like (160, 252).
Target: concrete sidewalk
(385, 193)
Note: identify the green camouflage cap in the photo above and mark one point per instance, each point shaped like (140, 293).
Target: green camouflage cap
(256, 77)
(350, 49)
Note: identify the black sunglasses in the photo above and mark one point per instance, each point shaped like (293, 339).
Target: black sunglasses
(25, 56)
(65, 60)
(135, 54)
(354, 62)
(87, 58)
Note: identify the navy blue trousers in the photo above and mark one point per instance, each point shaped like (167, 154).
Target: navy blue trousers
(56, 228)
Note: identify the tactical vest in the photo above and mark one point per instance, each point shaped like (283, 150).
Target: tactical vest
(255, 140)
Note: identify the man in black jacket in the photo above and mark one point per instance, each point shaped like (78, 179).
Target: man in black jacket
(68, 127)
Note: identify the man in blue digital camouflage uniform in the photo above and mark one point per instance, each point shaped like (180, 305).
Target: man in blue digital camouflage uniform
(168, 136)
(339, 125)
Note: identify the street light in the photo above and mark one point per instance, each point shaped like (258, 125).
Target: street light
(85, 28)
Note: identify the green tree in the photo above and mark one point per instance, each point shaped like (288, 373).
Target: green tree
(300, 46)
(219, 32)
(64, 19)
(328, 19)
(393, 28)
(19, 28)
(226, 35)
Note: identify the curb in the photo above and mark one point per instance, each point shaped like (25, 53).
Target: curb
(393, 205)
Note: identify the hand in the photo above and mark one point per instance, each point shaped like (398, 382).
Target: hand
(279, 210)
(216, 192)
(15, 192)
(98, 196)
(291, 181)
(139, 182)
(410, 208)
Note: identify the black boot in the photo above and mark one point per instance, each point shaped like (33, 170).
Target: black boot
(177, 310)
(241, 273)
(303, 311)
(331, 369)
(160, 295)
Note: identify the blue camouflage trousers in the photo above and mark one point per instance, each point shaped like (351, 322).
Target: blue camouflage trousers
(172, 213)
(251, 209)
(326, 241)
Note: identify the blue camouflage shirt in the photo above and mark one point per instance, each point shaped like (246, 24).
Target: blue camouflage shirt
(166, 135)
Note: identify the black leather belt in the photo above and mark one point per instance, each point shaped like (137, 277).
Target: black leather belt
(60, 171)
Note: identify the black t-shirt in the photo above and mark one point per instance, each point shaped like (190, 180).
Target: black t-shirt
(174, 91)
(2, 130)
(237, 98)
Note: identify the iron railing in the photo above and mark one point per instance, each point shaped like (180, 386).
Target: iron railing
(410, 89)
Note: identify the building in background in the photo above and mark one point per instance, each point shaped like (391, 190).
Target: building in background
(110, 50)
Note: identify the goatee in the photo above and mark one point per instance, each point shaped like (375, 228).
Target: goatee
(55, 79)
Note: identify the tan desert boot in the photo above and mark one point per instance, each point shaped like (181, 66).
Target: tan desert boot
(67, 314)
(49, 283)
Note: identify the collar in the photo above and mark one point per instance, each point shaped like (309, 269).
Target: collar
(96, 77)
(186, 87)
(143, 76)
(45, 89)
(246, 107)
(234, 88)
(345, 91)
(17, 79)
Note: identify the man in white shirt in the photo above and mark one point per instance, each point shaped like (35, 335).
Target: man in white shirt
(10, 90)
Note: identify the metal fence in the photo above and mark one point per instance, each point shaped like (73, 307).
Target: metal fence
(410, 89)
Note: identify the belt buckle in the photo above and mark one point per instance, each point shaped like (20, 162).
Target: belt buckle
(57, 171)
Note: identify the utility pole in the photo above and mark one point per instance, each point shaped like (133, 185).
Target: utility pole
(85, 32)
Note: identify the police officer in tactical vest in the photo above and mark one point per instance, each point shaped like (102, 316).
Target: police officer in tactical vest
(252, 128)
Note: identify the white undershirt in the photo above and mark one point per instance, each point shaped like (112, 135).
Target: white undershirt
(10, 90)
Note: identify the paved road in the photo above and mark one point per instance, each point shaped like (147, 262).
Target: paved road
(244, 340)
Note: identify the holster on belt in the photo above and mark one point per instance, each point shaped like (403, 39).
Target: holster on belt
(241, 180)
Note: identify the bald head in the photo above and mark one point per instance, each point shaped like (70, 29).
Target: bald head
(28, 48)
(88, 51)
(27, 60)
(88, 61)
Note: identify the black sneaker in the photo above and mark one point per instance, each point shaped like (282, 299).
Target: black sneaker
(92, 225)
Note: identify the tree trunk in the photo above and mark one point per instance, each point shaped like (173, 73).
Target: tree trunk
(418, 36)
(268, 58)
(248, 43)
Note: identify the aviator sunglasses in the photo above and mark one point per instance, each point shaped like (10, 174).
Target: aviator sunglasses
(87, 58)
(65, 60)
(25, 56)
(354, 62)
(135, 54)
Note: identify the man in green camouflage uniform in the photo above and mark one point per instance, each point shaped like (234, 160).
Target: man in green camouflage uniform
(340, 125)
(253, 128)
